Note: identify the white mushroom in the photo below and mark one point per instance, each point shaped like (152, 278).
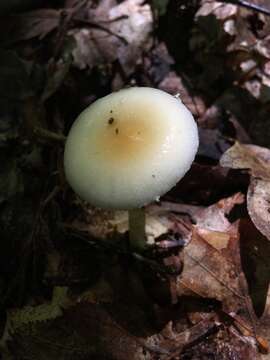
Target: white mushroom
(129, 148)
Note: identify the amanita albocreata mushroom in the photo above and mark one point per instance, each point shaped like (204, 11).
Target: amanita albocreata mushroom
(129, 148)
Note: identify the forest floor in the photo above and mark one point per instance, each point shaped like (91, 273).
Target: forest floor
(70, 288)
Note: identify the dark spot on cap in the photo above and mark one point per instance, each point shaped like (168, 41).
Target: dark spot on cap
(111, 111)
(111, 120)
(153, 176)
(117, 131)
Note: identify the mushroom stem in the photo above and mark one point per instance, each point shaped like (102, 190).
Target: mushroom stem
(136, 219)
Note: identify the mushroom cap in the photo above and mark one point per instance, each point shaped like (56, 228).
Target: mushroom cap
(130, 147)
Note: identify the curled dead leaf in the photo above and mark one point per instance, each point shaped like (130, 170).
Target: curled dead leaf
(257, 160)
(258, 204)
(252, 157)
(214, 216)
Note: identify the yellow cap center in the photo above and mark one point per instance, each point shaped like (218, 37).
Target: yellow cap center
(126, 139)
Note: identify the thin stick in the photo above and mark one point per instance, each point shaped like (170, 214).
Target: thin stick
(250, 6)
(49, 135)
(137, 237)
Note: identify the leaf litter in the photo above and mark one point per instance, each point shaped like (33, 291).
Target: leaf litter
(256, 160)
(202, 288)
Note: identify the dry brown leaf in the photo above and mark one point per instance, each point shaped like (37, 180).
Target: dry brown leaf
(250, 157)
(257, 160)
(220, 10)
(124, 33)
(214, 217)
(211, 266)
(218, 274)
(208, 273)
(218, 239)
(258, 203)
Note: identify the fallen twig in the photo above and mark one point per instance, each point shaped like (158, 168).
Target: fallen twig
(248, 5)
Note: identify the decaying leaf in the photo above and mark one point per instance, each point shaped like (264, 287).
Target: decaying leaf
(209, 274)
(220, 10)
(191, 294)
(263, 47)
(123, 36)
(23, 320)
(249, 157)
(174, 85)
(258, 201)
(85, 331)
(257, 160)
(37, 23)
(213, 225)
(214, 216)
(89, 330)
(55, 77)
(32, 314)
(99, 330)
